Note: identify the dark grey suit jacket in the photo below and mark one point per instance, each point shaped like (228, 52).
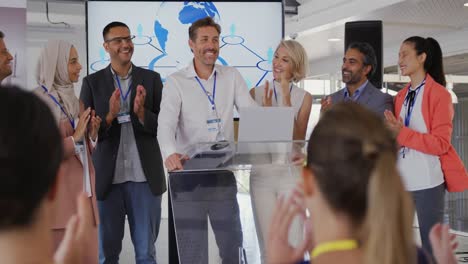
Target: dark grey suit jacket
(95, 93)
(372, 98)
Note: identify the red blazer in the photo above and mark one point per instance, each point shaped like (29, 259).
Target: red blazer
(70, 183)
(438, 113)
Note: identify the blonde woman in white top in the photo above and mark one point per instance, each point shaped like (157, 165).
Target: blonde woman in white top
(266, 185)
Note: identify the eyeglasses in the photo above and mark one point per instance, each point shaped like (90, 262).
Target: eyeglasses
(121, 40)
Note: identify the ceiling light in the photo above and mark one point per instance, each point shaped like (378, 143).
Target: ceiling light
(466, 4)
(334, 39)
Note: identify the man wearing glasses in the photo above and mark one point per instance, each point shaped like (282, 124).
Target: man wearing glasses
(129, 172)
(5, 59)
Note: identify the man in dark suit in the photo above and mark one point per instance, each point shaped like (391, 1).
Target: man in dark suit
(5, 59)
(359, 63)
(129, 171)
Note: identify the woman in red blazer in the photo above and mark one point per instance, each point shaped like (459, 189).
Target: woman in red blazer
(427, 160)
(58, 69)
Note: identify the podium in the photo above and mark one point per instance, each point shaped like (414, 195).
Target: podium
(228, 190)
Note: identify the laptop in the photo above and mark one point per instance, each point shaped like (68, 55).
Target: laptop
(263, 124)
(256, 124)
(266, 124)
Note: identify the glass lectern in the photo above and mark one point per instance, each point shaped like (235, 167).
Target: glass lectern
(220, 204)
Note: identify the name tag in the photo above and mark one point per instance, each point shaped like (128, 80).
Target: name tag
(213, 125)
(79, 148)
(123, 118)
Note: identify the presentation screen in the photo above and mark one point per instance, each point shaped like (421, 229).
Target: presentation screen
(250, 33)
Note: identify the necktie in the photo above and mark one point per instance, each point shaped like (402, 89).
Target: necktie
(411, 97)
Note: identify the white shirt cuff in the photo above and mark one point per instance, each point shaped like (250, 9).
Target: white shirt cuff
(77, 147)
(93, 142)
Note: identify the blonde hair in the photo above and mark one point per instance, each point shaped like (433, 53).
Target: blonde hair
(299, 60)
(389, 217)
(353, 157)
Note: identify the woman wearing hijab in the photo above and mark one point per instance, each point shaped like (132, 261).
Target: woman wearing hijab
(58, 68)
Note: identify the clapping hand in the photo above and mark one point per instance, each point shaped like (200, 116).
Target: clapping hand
(71, 249)
(394, 124)
(443, 244)
(80, 129)
(139, 103)
(95, 124)
(285, 92)
(114, 106)
(267, 95)
(326, 103)
(278, 248)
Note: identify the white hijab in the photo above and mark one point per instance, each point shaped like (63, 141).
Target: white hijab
(52, 72)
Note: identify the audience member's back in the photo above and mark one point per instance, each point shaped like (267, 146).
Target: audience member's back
(30, 156)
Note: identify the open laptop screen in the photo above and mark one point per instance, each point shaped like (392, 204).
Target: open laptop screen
(266, 124)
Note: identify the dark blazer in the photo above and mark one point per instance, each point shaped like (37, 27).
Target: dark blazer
(372, 98)
(95, 93)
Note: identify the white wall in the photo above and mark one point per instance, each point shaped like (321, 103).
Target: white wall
(37, 38)
(40, 31)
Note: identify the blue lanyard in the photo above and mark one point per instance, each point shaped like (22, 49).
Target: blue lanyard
(274, 90)
(210, 98)
(70, 119)
(410, 105)
(124, 97)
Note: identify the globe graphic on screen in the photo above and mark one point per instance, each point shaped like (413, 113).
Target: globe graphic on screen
(179, 16)
(161, 42)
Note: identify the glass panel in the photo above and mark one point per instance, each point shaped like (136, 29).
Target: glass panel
(231, 188)
(457, 203)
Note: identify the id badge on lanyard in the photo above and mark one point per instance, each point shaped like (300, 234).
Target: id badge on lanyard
(124, 115)
(213, 122)
(79, 146)
(409, 107)
(80, 151)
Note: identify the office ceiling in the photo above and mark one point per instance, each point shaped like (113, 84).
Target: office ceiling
(445, 20)
(318, 20)
(401, 19)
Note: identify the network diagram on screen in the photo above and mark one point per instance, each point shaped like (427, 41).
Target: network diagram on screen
(250, 32)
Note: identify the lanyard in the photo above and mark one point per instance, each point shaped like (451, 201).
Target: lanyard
(70, 119)
(208, 94)
(410, 103)
(333, 246)
(124, 97)
(274, 90)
